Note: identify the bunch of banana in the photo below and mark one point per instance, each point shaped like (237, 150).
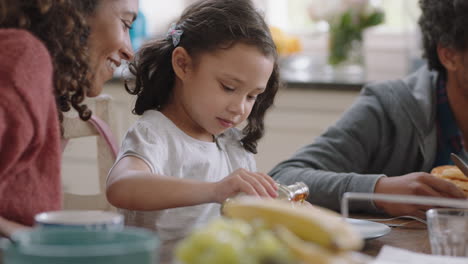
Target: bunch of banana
(313, 234)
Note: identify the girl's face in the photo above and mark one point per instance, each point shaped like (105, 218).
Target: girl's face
(109, 40)
(217, 90)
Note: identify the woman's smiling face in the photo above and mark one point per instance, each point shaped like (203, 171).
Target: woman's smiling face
(109, 39)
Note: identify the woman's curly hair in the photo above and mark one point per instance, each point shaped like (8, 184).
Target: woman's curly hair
(207, 26)
(61, 26)
(443, 22)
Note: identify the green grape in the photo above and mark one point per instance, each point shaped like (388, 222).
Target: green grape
(189, 249)
(258, 224)
(224, 248)
(236, 226)
(214, 242)
(240, 228)
(223, 252)
(266, 246)
(266, 242)
(230, 241)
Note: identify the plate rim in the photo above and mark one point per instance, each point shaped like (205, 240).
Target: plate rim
(385, 228)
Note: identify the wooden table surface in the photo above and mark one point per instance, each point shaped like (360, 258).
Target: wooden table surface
(412, 236)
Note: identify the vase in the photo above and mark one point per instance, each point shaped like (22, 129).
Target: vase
(346, 54)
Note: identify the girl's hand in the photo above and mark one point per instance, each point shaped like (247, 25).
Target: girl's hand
(243, 181)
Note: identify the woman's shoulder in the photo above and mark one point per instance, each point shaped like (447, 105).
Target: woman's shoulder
(21, 36)
(17, 44)
(24, 58)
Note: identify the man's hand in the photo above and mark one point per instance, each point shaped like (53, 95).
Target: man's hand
(417, 183)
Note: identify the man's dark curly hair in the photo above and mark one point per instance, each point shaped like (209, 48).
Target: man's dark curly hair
(61, 26)
(207, 26)
(443, 22)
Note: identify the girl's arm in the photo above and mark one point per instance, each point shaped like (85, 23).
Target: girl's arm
(131, 185)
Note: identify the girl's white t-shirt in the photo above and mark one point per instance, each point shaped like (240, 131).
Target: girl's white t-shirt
(168, 151)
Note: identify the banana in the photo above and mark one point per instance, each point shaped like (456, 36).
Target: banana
(310, 223)
(310, 253)
(304, 251)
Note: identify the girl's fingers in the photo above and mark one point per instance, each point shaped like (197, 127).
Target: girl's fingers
(271, 189)
(246, 187)
(256, 183)
(270, 180)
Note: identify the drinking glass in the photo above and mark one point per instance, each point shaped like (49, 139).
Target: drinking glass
(448, 231)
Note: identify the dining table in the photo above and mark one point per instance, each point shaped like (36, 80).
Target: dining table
(405, 233)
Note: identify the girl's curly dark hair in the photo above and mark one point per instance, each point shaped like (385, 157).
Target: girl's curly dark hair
(443, 22)
(207, 26)
(61, 26)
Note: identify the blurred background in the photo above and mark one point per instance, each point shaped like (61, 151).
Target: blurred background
(315, 93)
(395, 40)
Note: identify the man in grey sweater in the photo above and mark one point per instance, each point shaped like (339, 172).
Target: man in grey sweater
(396, 131)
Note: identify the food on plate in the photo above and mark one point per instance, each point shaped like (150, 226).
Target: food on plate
(313, 224)
(232, 241)
(261, 231)
(452, 174)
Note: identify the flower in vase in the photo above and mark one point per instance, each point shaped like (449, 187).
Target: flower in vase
(347, 19)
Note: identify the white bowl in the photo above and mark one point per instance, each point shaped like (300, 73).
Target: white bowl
(81, 219)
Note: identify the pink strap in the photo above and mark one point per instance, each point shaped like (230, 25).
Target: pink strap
(106, 133)
(64, 143)
(104, 130)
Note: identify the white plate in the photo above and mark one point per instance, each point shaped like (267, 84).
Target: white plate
(369, 229)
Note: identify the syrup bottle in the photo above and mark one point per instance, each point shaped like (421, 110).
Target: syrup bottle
(297, 192)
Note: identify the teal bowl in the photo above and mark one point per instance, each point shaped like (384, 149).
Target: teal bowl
(73, 246)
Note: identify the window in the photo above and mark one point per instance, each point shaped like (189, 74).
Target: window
(396, 39)
(292, 15)
(160, 13)
(289, 15)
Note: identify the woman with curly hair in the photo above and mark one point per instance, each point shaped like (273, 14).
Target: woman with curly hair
(397, 131)
(53, 53)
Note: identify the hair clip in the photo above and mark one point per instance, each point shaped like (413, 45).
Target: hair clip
(174, 34)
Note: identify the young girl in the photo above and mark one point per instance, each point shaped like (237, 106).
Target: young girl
(216, 68)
